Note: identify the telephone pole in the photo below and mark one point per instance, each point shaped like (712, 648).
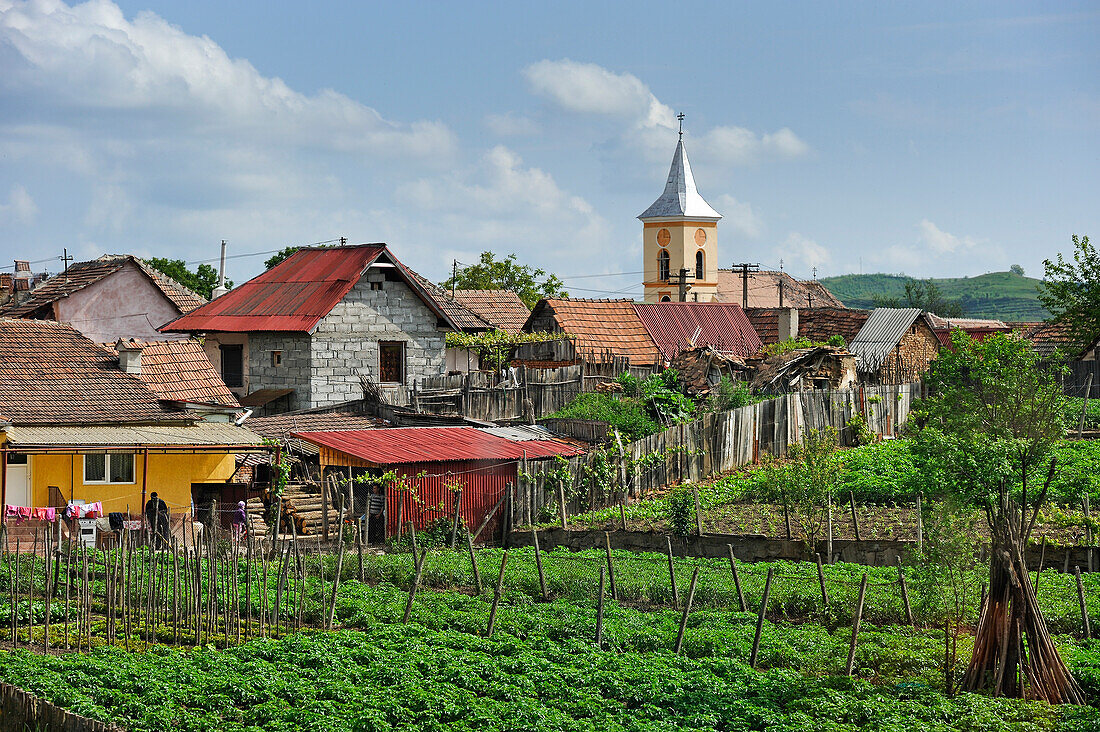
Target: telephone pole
(745, 268)
(681, 281)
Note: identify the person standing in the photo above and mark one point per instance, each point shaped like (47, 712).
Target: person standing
(240, 519)
(157, 519)
(376, 508)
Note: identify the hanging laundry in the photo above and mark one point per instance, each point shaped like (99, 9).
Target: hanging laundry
(48, 513)
(18, 513)
(84, 510)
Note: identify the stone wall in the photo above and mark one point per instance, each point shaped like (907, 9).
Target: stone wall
(876, 553)
(292, 373)
(345, 342)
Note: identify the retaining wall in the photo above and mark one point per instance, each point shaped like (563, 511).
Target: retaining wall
(20, 710)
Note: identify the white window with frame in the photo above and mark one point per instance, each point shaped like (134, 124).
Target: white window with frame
(107, 468)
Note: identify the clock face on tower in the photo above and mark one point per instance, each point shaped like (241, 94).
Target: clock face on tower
(663, 237)
(700, 237)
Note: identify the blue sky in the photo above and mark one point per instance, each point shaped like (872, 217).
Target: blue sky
(925, 138)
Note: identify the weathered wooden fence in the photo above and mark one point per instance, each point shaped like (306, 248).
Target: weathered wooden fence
(484, 395)
(20, 710)
(1078, 379)
(712, 444)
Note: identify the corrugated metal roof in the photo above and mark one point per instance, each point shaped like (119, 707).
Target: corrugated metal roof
(680, 197)
(880, 335)
(521, 433)
(402, 445)
(201, 433)
(722, 325)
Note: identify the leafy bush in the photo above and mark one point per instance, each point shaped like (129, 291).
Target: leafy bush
(731, 395)
(793, 344)
(1074, 405)
(628, 414)
(680, 510)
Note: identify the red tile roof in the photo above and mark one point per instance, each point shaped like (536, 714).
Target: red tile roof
(599, 327)
(297, 293)
(51, 374)
(764, 290)
(1053, 335)
(404, 445)
(721, 325)
(464, 317)
(814, 324)
(180, 370)
(83, 274)
(502, 308)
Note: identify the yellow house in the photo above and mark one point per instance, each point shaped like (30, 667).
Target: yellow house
(86, 423)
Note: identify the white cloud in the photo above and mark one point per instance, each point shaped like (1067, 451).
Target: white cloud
(802, 253)
(90, 61)
(588, 88)
(20, 208)
(941, 242)
(739, 216)
(511, 125)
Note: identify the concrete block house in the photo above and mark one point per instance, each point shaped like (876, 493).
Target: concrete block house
(894, 346)
(310, 330)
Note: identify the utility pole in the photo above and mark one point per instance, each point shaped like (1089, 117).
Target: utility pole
(681, 280)
(65, 259)
(454, 276)
(745, 268)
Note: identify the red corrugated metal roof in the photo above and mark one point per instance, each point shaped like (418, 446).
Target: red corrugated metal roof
(722, 325)
(292, 296)
(401, 445)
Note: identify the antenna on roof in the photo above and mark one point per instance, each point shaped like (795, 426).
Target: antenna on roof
(681, 118)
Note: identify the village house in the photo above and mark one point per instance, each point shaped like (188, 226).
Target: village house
(894, 346)
(309, 331)
(502, 309)
(78, 424)
(816, 325)
(114, 296)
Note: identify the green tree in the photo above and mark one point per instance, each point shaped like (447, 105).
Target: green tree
(203, 280)
(1071, 290)
(1016, 270)
(491, 273)
(923, 294)
(992, 422)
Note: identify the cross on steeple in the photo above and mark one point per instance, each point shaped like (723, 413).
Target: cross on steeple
(681, 118)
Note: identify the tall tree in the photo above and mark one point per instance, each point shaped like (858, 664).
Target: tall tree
(203, 280)
(491, 273)
(1071, 290)
(992, 423)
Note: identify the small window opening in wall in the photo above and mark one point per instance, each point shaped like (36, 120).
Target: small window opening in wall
(276, 358)
(391, 362)
(376, 285)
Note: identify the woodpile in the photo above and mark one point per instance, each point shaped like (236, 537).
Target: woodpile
(256, 511)
(302, 505)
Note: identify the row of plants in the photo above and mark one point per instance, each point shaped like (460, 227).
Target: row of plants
(540, 670)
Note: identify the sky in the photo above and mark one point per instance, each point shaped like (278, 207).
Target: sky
(933, 139)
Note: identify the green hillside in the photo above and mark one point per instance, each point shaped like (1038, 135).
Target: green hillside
(1000, 295)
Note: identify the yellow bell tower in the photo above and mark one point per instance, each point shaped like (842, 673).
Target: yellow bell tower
(680, 236)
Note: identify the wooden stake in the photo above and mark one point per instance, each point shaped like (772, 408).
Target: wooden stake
(672, 575)
(905, 596)
(496, 596)
(538, 563)
(1088, 531)
(821, 582)
(622, 514)
(760, 617)
(737, 581)
(561, 506)
(339, 566)
(855, 626)
(1081, 600)
(829, 540)
(1042, 558)
(855, 518)
(920, 526)
(698, 512)
(687, 609)
(473, 563)
(787, 515)
(610, 566)
(419, 565)
(599, 610)
(454, 527)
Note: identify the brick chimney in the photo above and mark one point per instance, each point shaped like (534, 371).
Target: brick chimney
(788, 324)
(129, 356)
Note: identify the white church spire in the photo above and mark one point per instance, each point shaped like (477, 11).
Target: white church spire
(680, 197)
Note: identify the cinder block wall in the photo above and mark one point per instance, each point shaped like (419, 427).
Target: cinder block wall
(345, 342)
(292, 373)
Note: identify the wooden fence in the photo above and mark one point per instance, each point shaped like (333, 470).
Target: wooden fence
(1075, 381)
(483, 395)
(708, 446)
(20, 710)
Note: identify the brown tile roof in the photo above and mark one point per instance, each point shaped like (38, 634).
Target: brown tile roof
(1048, 336)
(764, 290)
(83, 274)
(180, 370)
(280, 426)
(501, 308)
(601, 326)
(819, 324)
(51, 374)
(464, 317)
(816, 324)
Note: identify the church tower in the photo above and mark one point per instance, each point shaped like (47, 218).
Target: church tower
(680, 232)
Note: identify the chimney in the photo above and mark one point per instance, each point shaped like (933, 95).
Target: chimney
(129, 356)
(22, 275)
(220, 289)
(788, 324)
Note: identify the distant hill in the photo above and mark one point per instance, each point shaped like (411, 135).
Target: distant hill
(999, 295)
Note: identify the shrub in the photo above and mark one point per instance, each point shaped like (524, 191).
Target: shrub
(730, 395)
(679, 510)
(628, 414)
